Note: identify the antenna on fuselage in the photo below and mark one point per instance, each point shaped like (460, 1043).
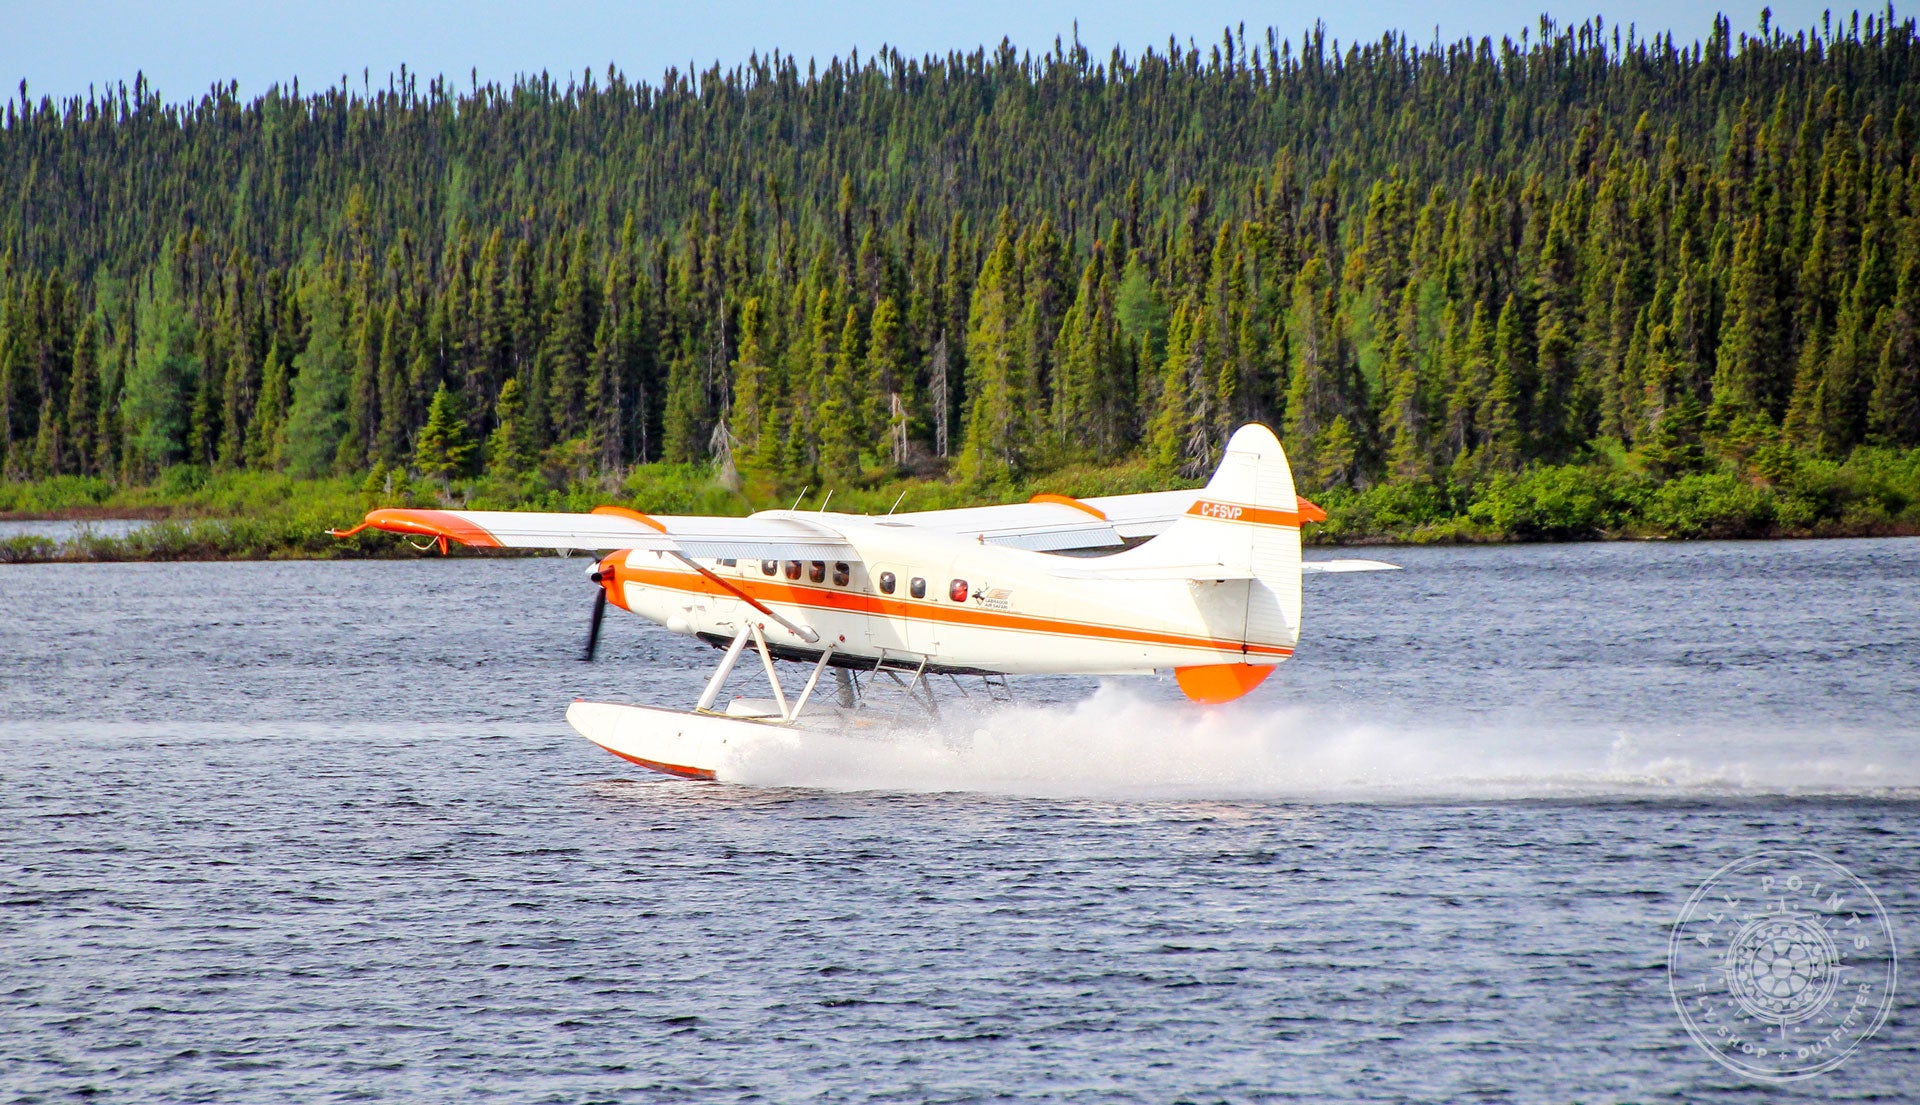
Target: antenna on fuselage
(825, 501)
(896, 502)
(798, 498)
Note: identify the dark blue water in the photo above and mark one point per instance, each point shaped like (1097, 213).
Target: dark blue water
(317, 832)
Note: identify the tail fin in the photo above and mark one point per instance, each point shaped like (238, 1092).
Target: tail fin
(1245, 525)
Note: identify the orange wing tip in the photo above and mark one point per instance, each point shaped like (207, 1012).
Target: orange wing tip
(442, 524)
(1308, 510)
(1068, 500)
(631, 516)
(1217, 683)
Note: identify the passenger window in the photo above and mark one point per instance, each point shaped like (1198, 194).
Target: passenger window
(886, 583)
(957, 590)
(841, 574)
(817, 571)
(729, 562)
(793, 569)
(768, 567)
(918, 588)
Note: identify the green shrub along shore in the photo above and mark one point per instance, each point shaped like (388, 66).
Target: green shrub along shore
(242, 515)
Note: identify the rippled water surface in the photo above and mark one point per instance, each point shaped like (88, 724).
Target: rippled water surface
(62, 530)
(318, 832)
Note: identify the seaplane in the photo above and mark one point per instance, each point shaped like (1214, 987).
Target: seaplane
(1202, 583)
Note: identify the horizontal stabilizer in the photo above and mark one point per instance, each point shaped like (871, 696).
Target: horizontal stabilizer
(1198, 573)
(1337, 566)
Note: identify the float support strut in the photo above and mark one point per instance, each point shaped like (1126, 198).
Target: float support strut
(773, 677)
(811, 682)
(725, 669)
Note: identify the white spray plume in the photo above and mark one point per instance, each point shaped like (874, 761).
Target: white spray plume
(1119, 744)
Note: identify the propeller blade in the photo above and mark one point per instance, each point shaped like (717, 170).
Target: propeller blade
(593, 626)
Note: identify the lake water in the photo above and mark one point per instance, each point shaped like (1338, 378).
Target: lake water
(318, 832)
(66, 530)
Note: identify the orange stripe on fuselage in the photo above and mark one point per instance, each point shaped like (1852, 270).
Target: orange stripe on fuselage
(775, 591)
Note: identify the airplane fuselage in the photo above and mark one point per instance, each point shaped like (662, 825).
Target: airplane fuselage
(908, 596)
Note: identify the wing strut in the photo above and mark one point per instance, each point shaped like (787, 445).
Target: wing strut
(802, 632)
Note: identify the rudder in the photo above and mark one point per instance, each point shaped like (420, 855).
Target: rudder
(1246, 520)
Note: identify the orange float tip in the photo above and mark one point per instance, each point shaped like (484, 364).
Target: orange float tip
(1308, 511)
(1217, 683)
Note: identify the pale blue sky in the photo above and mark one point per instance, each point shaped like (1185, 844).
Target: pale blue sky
(62, 46)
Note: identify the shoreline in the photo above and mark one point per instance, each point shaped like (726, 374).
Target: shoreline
(272, 516)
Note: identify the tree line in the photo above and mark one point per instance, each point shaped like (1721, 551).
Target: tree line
(1421, 263)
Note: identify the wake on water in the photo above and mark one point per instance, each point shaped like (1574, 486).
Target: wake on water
(1120, 744)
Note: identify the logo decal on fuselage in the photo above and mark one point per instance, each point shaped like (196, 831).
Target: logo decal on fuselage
(992, 598)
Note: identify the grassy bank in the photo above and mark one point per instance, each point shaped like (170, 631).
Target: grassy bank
(1874, 493)
(198, 515)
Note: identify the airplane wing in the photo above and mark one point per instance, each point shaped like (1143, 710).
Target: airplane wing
(607, 528)
(1058, 523)
(1047, 523)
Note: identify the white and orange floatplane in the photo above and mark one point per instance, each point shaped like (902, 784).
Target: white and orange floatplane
(1204, 583)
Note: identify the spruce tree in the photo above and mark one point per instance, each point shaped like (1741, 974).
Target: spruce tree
(1893, 409)
(995, 444)
(1746, 376)
(264, 439)
(889, 382)
(1324, 383)
(83, 400)
(317, 413)
(444, 451)
(1500, 416)
(838, 419)
(511, 447)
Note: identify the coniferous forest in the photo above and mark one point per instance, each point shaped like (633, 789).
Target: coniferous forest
(1547, 286)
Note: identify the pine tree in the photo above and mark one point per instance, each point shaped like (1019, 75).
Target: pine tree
(317, 424)
(838, 417)
(887, 381)
(995, 441)
(1746, 381)
(753, 396)
(1499, 414)
(1172, 426)
(164, 378)
(1077, 367)
(567, 355)
(1324, 385)
(265, 441)
(1472, 382)
(83, 401)
(394, 395)
(444, 450)
(1406, 417)
(511, 447)
(1893, 409)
